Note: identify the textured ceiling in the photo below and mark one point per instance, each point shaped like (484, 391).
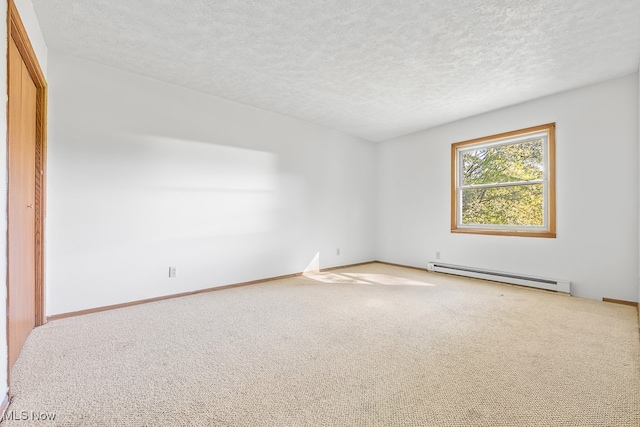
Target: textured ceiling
(372, 68)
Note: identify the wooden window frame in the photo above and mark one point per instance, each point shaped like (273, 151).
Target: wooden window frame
(549, 200)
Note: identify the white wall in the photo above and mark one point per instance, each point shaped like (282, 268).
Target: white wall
(597, 193)
(144, 175)
(28, 16)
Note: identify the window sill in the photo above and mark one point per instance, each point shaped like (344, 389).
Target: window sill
(519, 233)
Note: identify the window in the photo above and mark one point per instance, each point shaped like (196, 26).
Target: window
(505, 184)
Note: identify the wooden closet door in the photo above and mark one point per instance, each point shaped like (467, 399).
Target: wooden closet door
(21, 256)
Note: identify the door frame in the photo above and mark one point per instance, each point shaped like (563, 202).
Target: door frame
(16, 30)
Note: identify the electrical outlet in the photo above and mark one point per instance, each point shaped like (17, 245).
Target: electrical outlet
(172, 272)
(337, 251)
(437, 254)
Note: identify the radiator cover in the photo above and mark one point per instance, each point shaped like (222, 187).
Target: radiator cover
(499, 276)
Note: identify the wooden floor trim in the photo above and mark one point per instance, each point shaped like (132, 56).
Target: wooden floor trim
(184, 294)
(164, 297)
(252, 282)
(620, 301)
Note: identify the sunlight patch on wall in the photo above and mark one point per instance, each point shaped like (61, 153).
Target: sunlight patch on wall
(314, 265)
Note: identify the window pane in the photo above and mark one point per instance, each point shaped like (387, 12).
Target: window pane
(522, 161)
(513, 205)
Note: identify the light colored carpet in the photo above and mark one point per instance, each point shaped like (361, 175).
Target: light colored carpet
(367, 345)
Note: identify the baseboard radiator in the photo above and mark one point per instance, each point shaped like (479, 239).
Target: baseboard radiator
(497, 276)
